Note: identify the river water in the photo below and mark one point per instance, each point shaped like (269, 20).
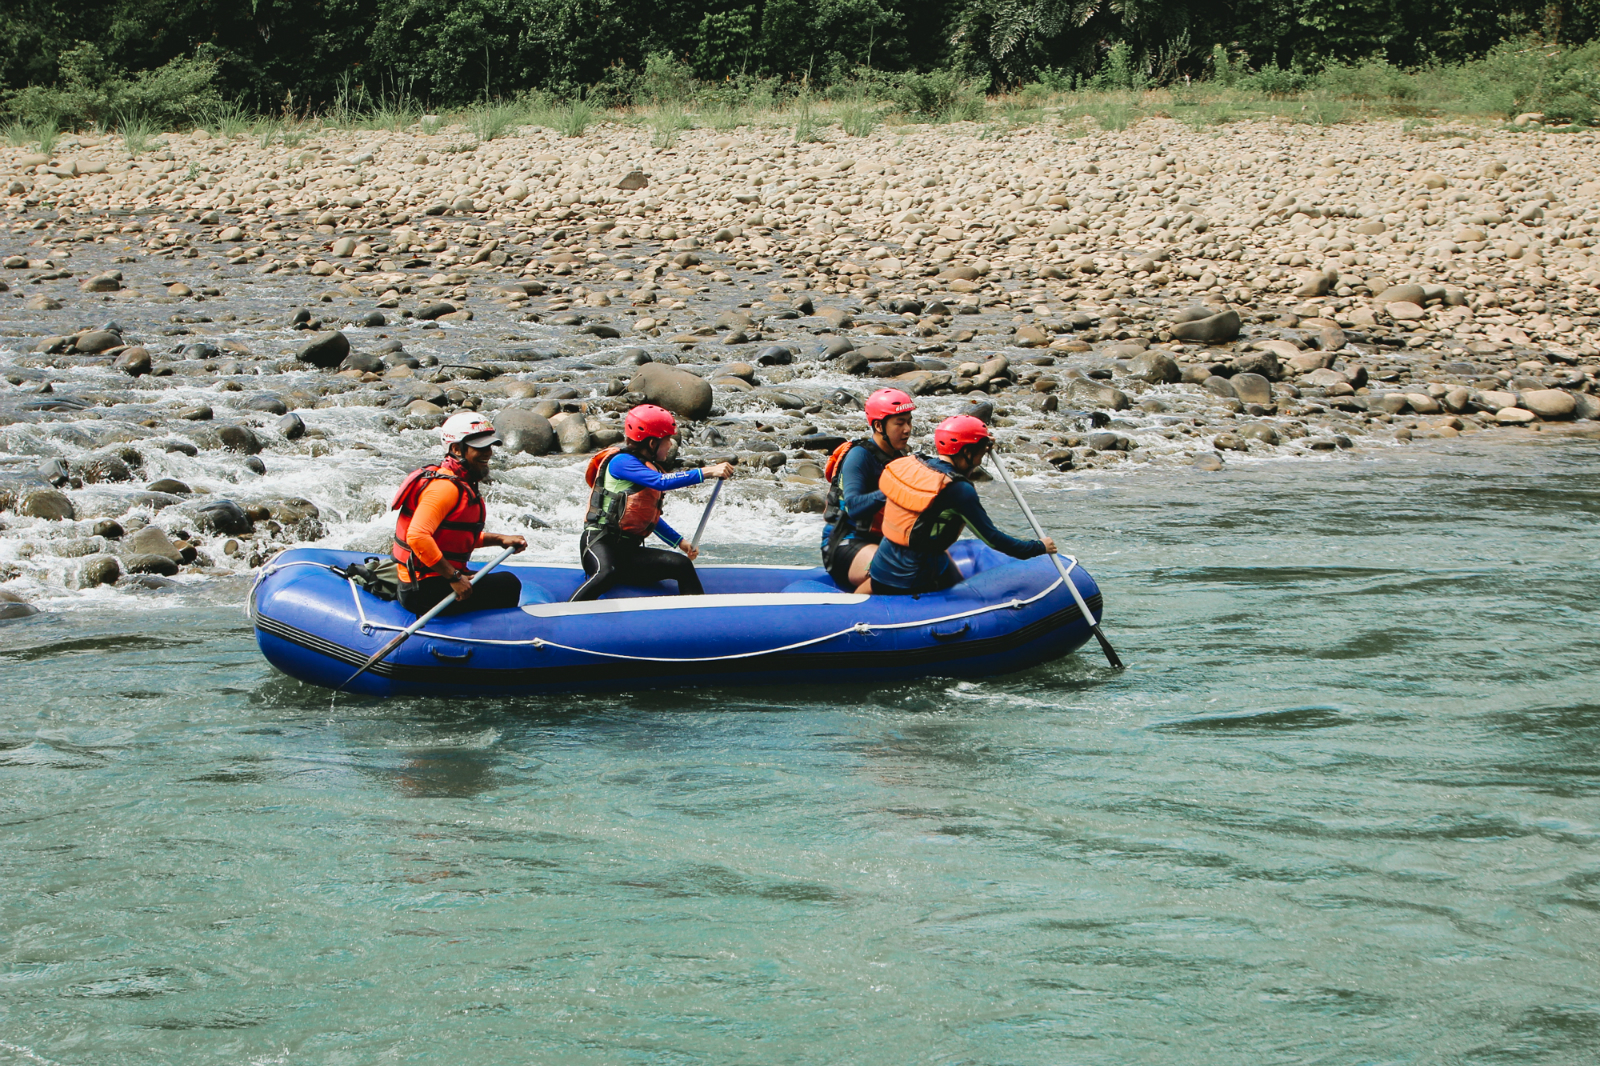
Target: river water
(1342, 808)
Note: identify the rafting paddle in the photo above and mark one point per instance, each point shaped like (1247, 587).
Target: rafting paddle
(424, 620)
(1038, 531)
(706, 515)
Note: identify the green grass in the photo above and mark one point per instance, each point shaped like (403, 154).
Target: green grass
(227, 121)
(857, 117)
(668, 120)
(138, 135)
(575, 118)
(496, 121)
(47, 134)
(16, 134)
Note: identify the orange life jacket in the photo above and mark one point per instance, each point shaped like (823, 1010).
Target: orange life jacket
(458, 533)
(617, 505)
(909, 486)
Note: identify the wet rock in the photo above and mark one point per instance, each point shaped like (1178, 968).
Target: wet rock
(678, 391)
(1218, 385)
(1215, 329)
(325, 351)
(1157, 368)
(199, 412)
(1549, 404)
(775, 355)
(13, 607)
(291, 425)
(223, 516)
(265, 402)
(1094, 394)
(572, 432)
(438, 309)
(1209, 461)
(99, 570)
(1264, 364)
(170, 485)
(108, 528)
(96, 341)
(152, 540)
(813, 502)
(1514, 416)
(55, 472)
(133, 361)
(239, 439)
(837, 347)
(1251, 388)
(1585, 406)
(50, 504)
(365, 362)
(525, 431)
(151, 564)
(1260, 431)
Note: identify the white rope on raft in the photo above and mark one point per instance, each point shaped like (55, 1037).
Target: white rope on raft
(863, 628)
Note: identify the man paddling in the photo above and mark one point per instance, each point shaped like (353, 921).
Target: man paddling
(928, 503)
(441, 522)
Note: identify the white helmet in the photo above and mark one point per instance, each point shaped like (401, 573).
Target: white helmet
(469, 428)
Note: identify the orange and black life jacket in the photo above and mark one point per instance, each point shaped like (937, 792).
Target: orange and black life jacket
(910, 487)
(617, 505)
(457, 534)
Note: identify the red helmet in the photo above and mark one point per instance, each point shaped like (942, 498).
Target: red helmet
(958, 431)
(886, 402)
(647, 422)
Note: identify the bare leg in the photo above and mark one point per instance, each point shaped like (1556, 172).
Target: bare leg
(861, 563)
(865, 588)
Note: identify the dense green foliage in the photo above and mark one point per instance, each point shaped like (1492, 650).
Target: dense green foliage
(89, 61)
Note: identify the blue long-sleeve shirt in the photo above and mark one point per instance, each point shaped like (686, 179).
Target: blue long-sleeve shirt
(956, 502)
(858, 490)
(631, 468)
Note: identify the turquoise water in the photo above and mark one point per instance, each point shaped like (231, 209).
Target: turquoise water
(1342, 808)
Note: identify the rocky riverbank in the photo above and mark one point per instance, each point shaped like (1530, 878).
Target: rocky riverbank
(218, 349)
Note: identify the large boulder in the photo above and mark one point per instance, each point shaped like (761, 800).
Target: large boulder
(573, 432)
(1549, 404)
(1157, 368)
(678, 391)
(1251, 388)
(1215, 329)
(524, 431)
(49, 504)
(325, 350)
(1092, 393)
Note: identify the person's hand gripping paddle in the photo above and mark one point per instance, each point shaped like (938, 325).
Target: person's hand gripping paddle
(1038, 531)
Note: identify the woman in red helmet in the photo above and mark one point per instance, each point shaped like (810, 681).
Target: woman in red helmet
(625, 508)
(852, 519)
(928, 502)
(441, 522)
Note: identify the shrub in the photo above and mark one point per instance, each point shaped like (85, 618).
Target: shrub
(93, 92)
(941, 95)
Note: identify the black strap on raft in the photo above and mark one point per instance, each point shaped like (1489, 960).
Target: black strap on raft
(381, 577)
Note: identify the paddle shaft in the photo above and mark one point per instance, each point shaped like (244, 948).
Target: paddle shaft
(424, 620)
(705, 516)
(1094, 627)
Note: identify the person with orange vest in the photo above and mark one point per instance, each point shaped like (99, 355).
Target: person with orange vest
(852, 517)
(927, 503)
(441, 522)
(626, 486)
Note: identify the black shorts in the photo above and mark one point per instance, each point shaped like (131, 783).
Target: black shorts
(494, 592)
(843, 556)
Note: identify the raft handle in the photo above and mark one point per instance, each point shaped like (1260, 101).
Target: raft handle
(446, 657)
(951, 634)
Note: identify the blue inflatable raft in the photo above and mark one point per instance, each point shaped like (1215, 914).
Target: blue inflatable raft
(756, 625)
